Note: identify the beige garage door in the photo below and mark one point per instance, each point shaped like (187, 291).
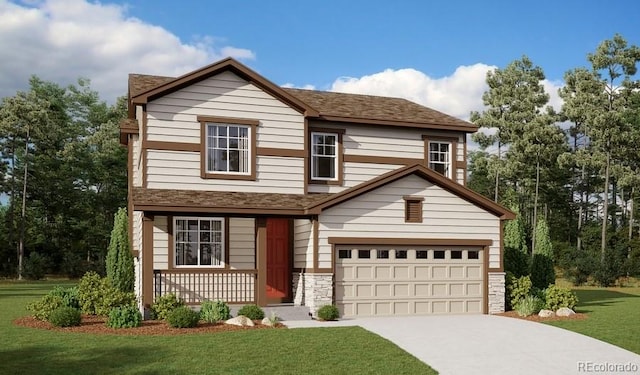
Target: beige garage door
(383, 281)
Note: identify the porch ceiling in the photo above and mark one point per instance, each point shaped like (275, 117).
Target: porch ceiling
(223, 202)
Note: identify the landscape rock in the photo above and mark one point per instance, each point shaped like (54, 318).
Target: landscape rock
(240, 320)
(546, 313)
(266, 322)
(565, 311)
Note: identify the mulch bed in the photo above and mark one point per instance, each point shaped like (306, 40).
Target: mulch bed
(536, 318)
(97, 325)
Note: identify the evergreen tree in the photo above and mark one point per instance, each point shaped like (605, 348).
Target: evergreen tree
(542, 272)
(119, 259)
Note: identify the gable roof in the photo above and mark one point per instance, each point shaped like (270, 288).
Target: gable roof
(322, 105)
(145, 92)
(420, 171)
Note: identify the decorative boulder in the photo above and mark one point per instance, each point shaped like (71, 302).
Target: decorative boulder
(267, 322)
(240, 320)
(565, 311)
(546, 313)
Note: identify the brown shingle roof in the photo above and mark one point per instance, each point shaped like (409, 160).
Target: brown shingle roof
(222, 202)
(332, 106)
(369, 107)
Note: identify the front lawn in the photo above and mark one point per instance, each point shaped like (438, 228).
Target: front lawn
(340, 350)
(613, 316)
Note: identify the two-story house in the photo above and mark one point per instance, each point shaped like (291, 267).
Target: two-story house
(248, 192)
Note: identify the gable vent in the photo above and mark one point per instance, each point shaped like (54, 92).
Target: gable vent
(413, 209)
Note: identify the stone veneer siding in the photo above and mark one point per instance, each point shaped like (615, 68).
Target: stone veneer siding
(313, 290)
(496, 292)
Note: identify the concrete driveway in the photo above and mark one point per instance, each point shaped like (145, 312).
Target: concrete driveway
(487, 344)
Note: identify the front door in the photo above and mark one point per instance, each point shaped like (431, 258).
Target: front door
(278, 261)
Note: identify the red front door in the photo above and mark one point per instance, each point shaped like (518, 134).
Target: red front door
(278, 261)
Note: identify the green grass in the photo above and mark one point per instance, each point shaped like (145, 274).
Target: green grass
(340, 350)
(613, 316)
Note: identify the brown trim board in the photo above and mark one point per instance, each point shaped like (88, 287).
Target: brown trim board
(147, 261)
(381, 160)
(261, 261)
(408, 241)
(316, 242)
(467, 129)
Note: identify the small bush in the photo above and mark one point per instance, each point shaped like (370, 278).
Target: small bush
(529, 305)
(164, 305)
(183, 317)
(124, 317)
(69, 296)
(542, 272)
(556, 297)
(253, 312)
(65, 317)
(328, 312)
(516, 262)
(42, 308)
(214, 311)
(35, 266)
(517, 289)
(97, 296)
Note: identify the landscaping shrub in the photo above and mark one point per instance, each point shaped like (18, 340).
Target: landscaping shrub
(124, 317)
(42, 308)
(328, 312)
(556, 297)
(69, 296)
(516, 262)
(56, 298)
(608, 271)
(542, 272)
(517, 289)
(35, 266)
(97, 296)
(253, 312)
(119, 260)
(583, 266)
(183, 317)
(214, 311)
(163, 305)
(65, 317)
(529, 305)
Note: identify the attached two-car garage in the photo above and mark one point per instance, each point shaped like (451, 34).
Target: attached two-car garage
(409, 280)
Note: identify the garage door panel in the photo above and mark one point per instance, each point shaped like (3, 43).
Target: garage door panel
(411, 284)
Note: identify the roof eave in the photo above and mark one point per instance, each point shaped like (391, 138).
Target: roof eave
(470, 128)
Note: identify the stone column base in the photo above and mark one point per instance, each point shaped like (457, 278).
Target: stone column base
(496, 292)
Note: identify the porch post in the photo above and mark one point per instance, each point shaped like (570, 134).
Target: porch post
(147, 261)
(261, 261)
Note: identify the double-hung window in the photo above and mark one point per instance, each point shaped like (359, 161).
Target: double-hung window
(324, 156)
(440, 157)
(199, 242)
(228, 148)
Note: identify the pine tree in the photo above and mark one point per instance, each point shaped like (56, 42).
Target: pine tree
(119, 259)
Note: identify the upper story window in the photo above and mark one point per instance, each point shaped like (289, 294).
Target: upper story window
(228, 149)
(324, 156)
(440, 157)
(199, 242)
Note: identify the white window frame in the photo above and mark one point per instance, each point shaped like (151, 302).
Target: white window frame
(222, 242)
(335, 157)
(448, 156)
(246, 147)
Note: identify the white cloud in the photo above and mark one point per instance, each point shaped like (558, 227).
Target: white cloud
(457, 94)
(61, 40)
(305, 87)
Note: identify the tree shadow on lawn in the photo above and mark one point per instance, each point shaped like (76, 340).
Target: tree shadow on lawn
(600, 297)
(55, 360)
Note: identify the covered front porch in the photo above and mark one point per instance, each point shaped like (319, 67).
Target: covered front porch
(256, 259)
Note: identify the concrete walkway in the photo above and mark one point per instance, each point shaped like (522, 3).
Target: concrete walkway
(487, 344)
